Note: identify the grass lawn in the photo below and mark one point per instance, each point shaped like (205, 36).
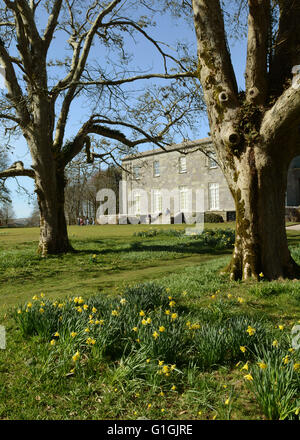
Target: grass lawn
(198, 374)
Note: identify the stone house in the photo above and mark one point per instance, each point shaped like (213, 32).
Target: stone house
(192, 180)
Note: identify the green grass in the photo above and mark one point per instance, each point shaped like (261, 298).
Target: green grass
(118, 376)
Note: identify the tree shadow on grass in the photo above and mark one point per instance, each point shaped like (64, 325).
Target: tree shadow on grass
(178, 248)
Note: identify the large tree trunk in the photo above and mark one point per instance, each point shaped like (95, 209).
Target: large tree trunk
(259, 189)
(255, 132)
(53, 227)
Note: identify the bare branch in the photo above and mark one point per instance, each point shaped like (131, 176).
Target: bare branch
(257, 50)
(287, 46)
(117, 82)
(52, 23)
(283, 116)
(214, 57)
(78, 69)
(154, 42)
(15, 93)
(17, 170)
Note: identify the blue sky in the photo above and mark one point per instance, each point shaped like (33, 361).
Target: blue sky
(143, 57)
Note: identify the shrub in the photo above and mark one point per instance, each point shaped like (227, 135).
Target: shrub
(210, 217)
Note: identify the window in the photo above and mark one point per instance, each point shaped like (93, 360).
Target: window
(183, 198)
(156, 171)
(157, 201)
(182, 164)
(213, 195)
(212, 160)
(137, 203)
(136, 172)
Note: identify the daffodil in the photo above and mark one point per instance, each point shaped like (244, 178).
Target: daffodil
(41, 310)
(142, 313)
(167, 312)
(250, 330)
(261, 275)
(161, 328)
(52, 342)
(281, 327)
(123, 301)
(275, 343)
(35, 298)
(296, 366)
(29, 305)
(155, 335)
(227, 401)
(245, 366)
(165, 369)
(56, 334)
(73, 334)
(240, 300)
(262, 365)
(135, 329)
(115, 313)
(172, 303)
(173, 388)
(76, 356)
(286, 359)
(174, 316)
(248, 377)
(94, 310)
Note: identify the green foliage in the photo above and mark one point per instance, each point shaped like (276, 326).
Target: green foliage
(210, 217)
(276, 382)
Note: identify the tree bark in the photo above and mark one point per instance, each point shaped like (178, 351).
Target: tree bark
(259, 189)
(53, 227)
(254, 137)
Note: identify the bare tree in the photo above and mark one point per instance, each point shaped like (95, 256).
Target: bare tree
(256, 131)
(42, 90)
(6, 213)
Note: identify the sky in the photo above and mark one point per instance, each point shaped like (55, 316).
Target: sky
(22, 204)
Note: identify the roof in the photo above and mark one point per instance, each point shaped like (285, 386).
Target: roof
(167, 149)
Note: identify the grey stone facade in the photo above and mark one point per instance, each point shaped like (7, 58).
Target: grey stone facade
(181, 172)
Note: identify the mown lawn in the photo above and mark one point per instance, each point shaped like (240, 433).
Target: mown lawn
(193, 369)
